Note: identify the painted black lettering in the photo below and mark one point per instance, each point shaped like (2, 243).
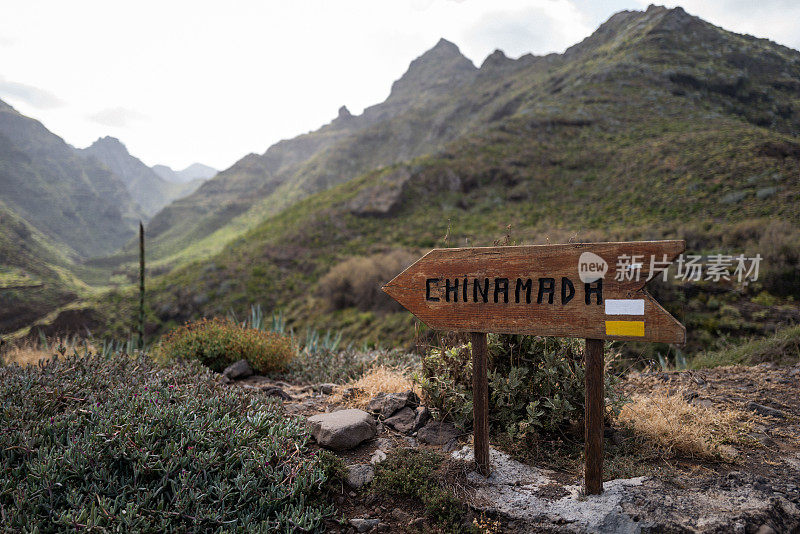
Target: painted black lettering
(464, 291)
(484, 291)
(596, 288)
(526, 285)
(428, 283)
(450, 289)
(501, 286)
(546, 285)
(567, 290)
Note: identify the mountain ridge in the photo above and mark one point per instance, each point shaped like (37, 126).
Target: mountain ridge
(149, 190)
(195, 171)
(64, 196)
(605, 136)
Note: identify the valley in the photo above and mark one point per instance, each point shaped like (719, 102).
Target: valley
(248, 368)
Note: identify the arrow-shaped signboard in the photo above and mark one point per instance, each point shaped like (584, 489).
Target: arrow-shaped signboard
(586, 290)
(589, 290)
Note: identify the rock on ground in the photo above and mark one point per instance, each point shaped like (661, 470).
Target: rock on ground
(238, 370)
(437, 433)
(275, 391)
(343, 429)
(387, 404)
(364, 525)
(524, 495)
(359, 475)
(402, 421)
(377, 457)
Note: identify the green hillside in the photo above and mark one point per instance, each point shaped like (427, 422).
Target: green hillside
(658, 125)
(616, 139)
(34, 274)
(69, 199)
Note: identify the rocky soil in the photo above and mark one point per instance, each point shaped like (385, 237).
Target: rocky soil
(759, 492)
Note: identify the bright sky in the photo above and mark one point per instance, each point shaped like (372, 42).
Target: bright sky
(184, 81)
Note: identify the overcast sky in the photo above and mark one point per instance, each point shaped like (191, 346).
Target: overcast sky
(186, 81)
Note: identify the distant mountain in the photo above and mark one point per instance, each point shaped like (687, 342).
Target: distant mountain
(71, 200)
(150, 190)
(56, 209)
(426, 108)
(658, 125)
(443, 96)
(195, 171)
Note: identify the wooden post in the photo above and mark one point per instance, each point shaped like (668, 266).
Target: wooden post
(141, 286)
(480, 402)
(595, 408)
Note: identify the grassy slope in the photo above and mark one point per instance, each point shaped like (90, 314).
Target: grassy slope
(35, 275)
(72, 201)
(782, 347)
(659, 125)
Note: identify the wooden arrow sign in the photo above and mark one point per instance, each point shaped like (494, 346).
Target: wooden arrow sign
(587, 290)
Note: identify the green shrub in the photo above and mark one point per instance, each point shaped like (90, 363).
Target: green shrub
(118, 444)
(415, 474)
(356, 282)
(535, 383)
(217, 343)
(780, 268)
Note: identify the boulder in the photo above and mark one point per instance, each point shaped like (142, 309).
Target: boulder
(387, 404)
(421, 416)
(343, 429)
(359, 475)
(407, 420)
(238, 370)
(437, 433)
(383, 198)
(402, 421)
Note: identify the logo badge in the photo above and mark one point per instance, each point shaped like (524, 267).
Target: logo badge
(591, 267)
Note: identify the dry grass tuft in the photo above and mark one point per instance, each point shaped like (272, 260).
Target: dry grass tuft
(671, 423)
(376, 380)
(31, 352)
(27, 354)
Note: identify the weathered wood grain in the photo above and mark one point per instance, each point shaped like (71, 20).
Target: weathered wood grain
(594, 412)
(480, 402)
(502, 313)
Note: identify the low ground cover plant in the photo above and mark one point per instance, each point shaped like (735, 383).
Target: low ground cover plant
(217, 343)
(117, 443)
(420, 475)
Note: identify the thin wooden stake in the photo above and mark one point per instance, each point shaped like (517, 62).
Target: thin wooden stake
(141, 286)
(595, 408)
(480, 402)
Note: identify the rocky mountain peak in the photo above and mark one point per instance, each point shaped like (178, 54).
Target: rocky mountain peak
(5, 107)
(440, 67)
(344, 113)
(109, 144)
(496, 59)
